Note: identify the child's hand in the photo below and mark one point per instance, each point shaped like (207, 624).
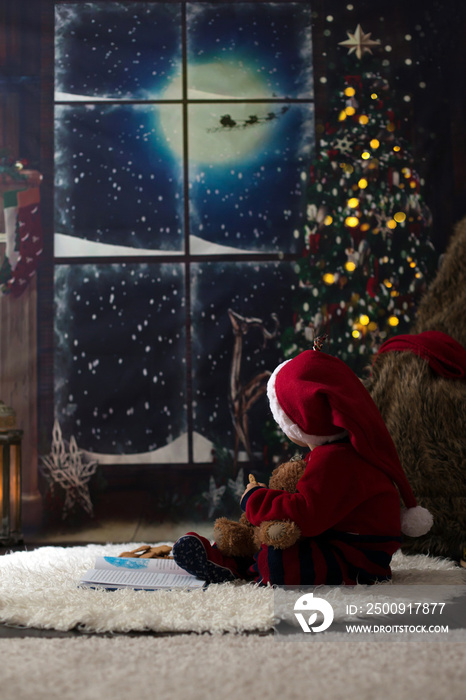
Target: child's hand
(251, 485)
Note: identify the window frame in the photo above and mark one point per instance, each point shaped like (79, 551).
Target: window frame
(186, 258)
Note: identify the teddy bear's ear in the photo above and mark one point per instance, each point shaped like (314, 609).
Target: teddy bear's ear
(287, 475)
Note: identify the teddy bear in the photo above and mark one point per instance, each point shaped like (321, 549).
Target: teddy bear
(241, 539)
(425, 411)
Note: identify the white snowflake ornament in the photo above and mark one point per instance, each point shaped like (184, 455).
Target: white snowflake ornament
(213, 496)
(344, 145)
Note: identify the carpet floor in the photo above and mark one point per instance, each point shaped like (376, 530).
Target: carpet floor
(204, 667)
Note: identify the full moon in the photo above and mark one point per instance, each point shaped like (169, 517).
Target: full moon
(245, 125)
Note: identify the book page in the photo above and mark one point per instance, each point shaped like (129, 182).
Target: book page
(137, 564)
(122, 578)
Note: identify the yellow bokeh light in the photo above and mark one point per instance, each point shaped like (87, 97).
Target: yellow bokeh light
(349, 92)
(412, 264)
(353, 202)
(363, 183)
(374, 96)
(399, 217)
(350, 266)
(390, 126)
(365, 227)
(328, 220)
(342, 116)
(372, 326)
(375, 143)
(363, 119)
(328, 278)
(412, 184)
(391, 224)
(388, 284)
(355, 334)
(397, 148)
(365, 155)
(350, 111)
(351, 221)
(364, 320)
(393, 321)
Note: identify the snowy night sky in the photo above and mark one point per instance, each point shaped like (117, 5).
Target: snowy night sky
(120, 371)
(270, 41)
(116, 50)
(116, 182)
(252, 290)
(253, 200)
(121, 165)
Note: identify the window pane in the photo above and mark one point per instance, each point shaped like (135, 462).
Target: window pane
(116, 50)
(121, 348)
(120, 370)
(118, 179)
(254, 291)
(247, 180)
(249, 50)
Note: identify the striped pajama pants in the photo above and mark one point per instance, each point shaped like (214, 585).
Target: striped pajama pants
(332, 558)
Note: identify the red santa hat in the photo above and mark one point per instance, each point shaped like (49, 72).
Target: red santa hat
(316, 398)
(443, 353)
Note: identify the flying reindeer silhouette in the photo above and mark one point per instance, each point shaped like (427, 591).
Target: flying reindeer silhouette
(243, 396)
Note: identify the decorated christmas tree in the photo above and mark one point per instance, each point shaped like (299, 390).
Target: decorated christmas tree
(367, 255)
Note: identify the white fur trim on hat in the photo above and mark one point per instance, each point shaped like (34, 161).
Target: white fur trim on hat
(291, 430)
(416, 521)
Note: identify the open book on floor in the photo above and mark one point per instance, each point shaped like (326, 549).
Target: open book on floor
(140, 574)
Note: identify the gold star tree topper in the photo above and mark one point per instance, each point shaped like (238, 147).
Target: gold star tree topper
(359, 42)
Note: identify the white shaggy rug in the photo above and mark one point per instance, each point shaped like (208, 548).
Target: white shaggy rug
(39, 589)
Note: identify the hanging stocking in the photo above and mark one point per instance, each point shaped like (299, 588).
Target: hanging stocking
(10, 208)
(23, 239)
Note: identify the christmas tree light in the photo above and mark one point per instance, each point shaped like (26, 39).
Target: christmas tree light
(367, 254)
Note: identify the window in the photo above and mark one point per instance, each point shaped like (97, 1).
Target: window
(183, 137)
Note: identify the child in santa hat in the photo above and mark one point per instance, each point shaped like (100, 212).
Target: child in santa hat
(347, 503)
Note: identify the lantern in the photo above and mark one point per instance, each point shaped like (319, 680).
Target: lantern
(10, 477)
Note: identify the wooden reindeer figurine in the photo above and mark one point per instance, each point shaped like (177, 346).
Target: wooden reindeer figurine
(243, 396)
